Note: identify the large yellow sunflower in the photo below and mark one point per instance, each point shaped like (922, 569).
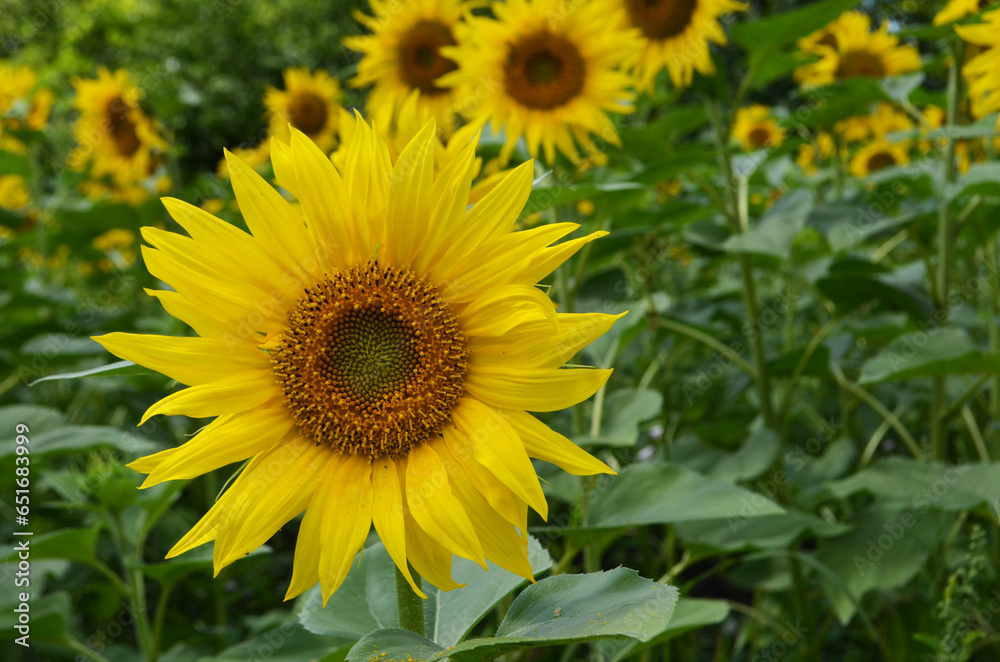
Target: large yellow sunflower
(404, 55)
(756, 128)
(310, 102)
(546, 70)
(374, 356)
(983, 71)
(956, 10)
(876, 156)
(848, 48)
(675, 35)
(113, 132)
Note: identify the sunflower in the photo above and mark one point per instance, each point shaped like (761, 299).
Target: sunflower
(756, 128)
(810, 153)
(374, 370)
(675, 35)
(404, 55)
(956, 10)
(114, 134)
(310, 102)
(876, 156)
(883, 120)
(983, 70)
(848, 48)
(546, 70)
(22, 104)
(14, 192)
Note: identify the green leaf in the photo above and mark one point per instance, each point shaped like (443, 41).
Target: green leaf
(850, 283)
(690, 614)
(78, 437)
(624, 412)
(115, 369)
(774, 234)
(288, 642)
(981, 179)
(366, 601)
(771, 531)
(663, 493)
(753, 458)
(49, 616)
(69, 544)
(762, 37)
(14, 164)
(546, 197)
(38, 419)
(939, 351)
(558, 610)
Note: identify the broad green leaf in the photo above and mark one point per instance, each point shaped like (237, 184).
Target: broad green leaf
(774, 234)
(940, 351)
(558, 610)
(817, 365)
(50, 615)
(846, 98)
(981, 179)
(886, 550)
(850, 283)
(78, 437)
(38, 419)
(662, 493)
(921, 486)
(624, 412)
(690, 614)
(366, 601)
(847, 224)
(771, 531)
(69, 544)
(115, 369)
(753, 458)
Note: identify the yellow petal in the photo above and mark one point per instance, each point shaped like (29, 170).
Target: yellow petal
(491, 440)
(305, 568)
(408, 217)
(535, 344)
(434, 506)
(387, 515)
(190, 361)
(284, 166)
(431, 560)
(534, 389)
(226, 440)
(546, 260)
(281, 489)
(231, 394)
(501, 309)
(494, 216)
(203, 323)
(346, 522)
(499, 496)
(544, 443)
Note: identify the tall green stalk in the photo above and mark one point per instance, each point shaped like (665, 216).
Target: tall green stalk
(946, 236)
(736, 210)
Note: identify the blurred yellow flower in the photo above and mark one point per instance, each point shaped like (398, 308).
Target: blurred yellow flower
(667, 189)
(885, 119)
(22, 103)
(585, 207)
(848, 48)
(956, 10)
(213, 205)
(876, 156)
(403, 56)
(675, 35)
(551, 81)
(983, 70)
(309, 102)
(756, 128)
(14, 192)
(113, 133)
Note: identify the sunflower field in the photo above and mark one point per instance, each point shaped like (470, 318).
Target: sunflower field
(510, 330)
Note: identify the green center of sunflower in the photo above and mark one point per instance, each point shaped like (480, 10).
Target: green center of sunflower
(122, 128)
(860, 63)
(420, 59)
(372, 361)
(880, 160)
(544, 70)
(307, 113)
(661, 19)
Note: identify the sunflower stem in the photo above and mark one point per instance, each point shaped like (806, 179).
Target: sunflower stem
(945, 246)
(736, 210)
(409, 604)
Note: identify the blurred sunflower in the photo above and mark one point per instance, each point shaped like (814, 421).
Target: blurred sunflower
(404, 55)
(113, 133)
(883, 120)
(848, 48)
(876, 156)
(983, 70)
(756, 128)
(956, 10)
(310, 102)
(14, 192)
(375, 371)
(551, 81)
(22, 104)
(811, 153)
(675, 35)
